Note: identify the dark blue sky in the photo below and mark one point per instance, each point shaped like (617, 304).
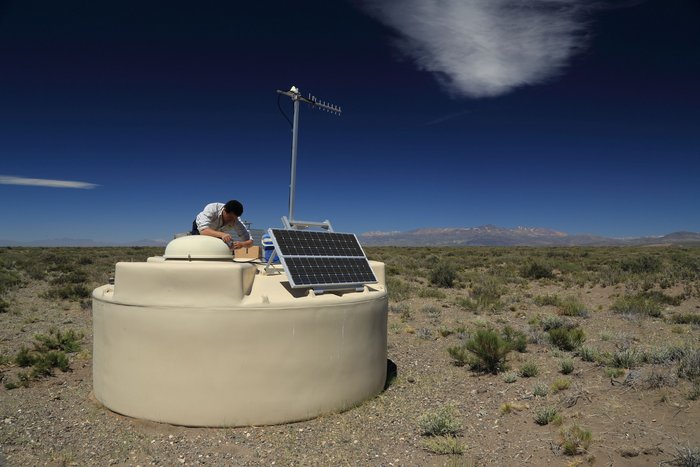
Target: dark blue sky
(171, 105)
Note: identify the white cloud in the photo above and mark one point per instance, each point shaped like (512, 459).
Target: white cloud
(481, 48)
(6, 180)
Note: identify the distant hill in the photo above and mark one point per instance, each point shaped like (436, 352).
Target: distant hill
(491, 235)
(86, 242)
(80, 242)
(485, 235)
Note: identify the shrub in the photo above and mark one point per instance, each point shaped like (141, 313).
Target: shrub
(627, 358)
(443, 274)
(566, 338)
(540, 390)
(49, 352)
(68, 292)
(24, 357)
(535, 270)
(460, 355)
(544, 415)
(46, 362)
(587, 354)
(529, 370)
(662, 298)
(397, 289)
(516, 339)
(689, 365)
(561, 384)
(8, 279)
(489, 350)
(686, 457)
(443, 445)
(636, 304)
(567, 366)
(551, 322)
(684, 318)
(575, 439)
(442, 422)
(433, 312)
(544, 300)
(664, 355)
(694, 393)
(641, 265)
(572, 307)
(56, 340)
(430, 292)
(510, 377)
(425, 333)
(466, 303)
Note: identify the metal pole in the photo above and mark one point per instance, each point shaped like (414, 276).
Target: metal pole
(292, 185)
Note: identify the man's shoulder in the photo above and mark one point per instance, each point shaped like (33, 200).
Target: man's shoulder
(213, 206)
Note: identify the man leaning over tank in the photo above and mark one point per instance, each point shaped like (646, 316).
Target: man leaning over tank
(218, 218)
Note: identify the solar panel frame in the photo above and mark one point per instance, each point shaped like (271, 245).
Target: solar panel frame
(323, 260)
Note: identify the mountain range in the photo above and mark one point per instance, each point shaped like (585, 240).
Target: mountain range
(485, 235)
(491, 235)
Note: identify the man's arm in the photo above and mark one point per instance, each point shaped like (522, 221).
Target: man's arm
(242, 231)
(225, 236)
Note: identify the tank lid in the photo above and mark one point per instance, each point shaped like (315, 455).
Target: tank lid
(195, 247)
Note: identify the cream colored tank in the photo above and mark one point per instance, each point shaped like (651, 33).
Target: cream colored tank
(194, 338)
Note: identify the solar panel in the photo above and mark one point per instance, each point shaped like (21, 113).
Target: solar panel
(322, 259)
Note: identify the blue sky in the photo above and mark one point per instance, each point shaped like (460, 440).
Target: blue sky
(579, 116)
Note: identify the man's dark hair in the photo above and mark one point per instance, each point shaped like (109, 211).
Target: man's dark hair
(235, 207)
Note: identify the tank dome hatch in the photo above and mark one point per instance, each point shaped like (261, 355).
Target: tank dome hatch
(197, 247)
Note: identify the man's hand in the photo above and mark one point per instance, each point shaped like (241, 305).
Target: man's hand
(227, 238)
(246, 244)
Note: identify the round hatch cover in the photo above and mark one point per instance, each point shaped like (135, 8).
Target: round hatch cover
(196, 247)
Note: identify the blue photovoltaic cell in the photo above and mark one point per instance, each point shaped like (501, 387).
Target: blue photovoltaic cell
(322, 259)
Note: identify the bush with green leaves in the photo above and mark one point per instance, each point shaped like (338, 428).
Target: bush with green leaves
(686, 318)
(551, 322)
(74, 292)
(397, 289)
(441, 422)
(489, 351)
(443, 445)
(626, 358)
(570, 306)
(48, 352)
(540, 390)
(637, 305)
(575, 440)
(536, 270)
(545, 415)
(587, 354)
(566, 366)
(547, 300)
(689, 365)
(529, 370)
(641, 265)
(516, 339)
(566, 338)
(561, 384)
(444, 274)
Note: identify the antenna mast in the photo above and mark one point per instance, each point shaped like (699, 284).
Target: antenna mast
(296, 97)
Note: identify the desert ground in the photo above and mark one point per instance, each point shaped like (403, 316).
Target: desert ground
(503, 356)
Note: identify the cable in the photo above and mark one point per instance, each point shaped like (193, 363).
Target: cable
(279, 106)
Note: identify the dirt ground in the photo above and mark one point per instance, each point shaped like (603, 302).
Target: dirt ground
(644, 415)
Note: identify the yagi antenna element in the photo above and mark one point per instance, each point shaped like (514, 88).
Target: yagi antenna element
(314, 102)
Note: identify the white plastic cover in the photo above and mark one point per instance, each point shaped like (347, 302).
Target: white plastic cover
(196, 247)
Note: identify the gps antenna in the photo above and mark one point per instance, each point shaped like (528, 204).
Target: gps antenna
(313, 101)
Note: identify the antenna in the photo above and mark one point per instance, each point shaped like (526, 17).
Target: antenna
(314, 102)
